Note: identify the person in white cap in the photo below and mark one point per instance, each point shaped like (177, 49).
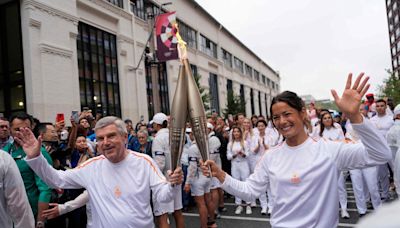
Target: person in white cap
(15, 210)
(393, 139)
(162, 156)
(199, 185)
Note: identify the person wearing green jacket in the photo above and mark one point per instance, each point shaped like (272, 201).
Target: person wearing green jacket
(39, 194)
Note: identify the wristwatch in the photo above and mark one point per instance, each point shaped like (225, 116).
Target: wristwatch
(40, 224)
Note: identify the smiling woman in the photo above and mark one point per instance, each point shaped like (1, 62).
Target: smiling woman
(302, 172)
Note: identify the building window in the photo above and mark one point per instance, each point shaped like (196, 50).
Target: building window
(12, 77)
(116, 2)
(266, 106)
(249, 71)
(242, 93)
(208, 47)
(396, 19)
(137, 8)
(226, 57)
(390, 14)
(188, 34)
(157, 87)
(388, 2)
(214, 99)
(398, 46)
(392, 38)
(98, 70)
(256, 75)
(238, 65)
(229, 86)
(397, 32)
(394, 6)
(259, 102)
(252, 101)
(263, 79)
(273, 85)
(163, 88)
(144, 9)
(394, 51)
(194, 69)
(149, 91)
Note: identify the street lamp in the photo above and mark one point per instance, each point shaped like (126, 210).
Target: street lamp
(150, 14)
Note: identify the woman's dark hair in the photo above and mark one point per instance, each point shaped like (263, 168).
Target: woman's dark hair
(322, 126)
(290, 98)
(261, 121)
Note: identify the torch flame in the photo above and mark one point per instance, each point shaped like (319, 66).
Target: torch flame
(182, 51)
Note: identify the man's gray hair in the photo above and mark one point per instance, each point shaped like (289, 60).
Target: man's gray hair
(108, 120)
(143, 132)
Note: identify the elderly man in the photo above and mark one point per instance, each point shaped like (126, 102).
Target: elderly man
(5, 137)
(118, 182)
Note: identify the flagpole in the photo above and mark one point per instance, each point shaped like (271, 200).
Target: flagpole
(151, 33)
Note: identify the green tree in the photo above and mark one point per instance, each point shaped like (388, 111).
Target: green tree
(326, 105)
(235, 104)
(205, 96)
(390, 88)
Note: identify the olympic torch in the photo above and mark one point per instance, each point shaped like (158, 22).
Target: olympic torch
(178, 119)
(196, 113)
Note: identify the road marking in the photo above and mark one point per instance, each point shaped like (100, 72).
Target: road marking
(233, 204)
(254, 219)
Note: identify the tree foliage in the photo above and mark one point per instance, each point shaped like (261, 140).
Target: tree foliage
(390, 88)
(235, 104)
(327, 105)
(205, 96)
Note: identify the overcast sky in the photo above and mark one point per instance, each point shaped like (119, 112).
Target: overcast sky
(312, 43)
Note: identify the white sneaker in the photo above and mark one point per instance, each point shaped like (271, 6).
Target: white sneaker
(248, 210)
(269, 211)
(264, 211)
(345, 214)
(239, 210)
(253, 204)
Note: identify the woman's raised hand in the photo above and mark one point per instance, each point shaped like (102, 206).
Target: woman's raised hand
(350, 101)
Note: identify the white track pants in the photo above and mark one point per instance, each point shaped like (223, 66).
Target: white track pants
(396, 171)
(342, 192)
(383, 180)
(240, 171)
(364, 185)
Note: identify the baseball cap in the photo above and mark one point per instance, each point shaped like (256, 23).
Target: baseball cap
(159, 118)
(209, 125)
(188, 130)
(369, 95)
(396, 110)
